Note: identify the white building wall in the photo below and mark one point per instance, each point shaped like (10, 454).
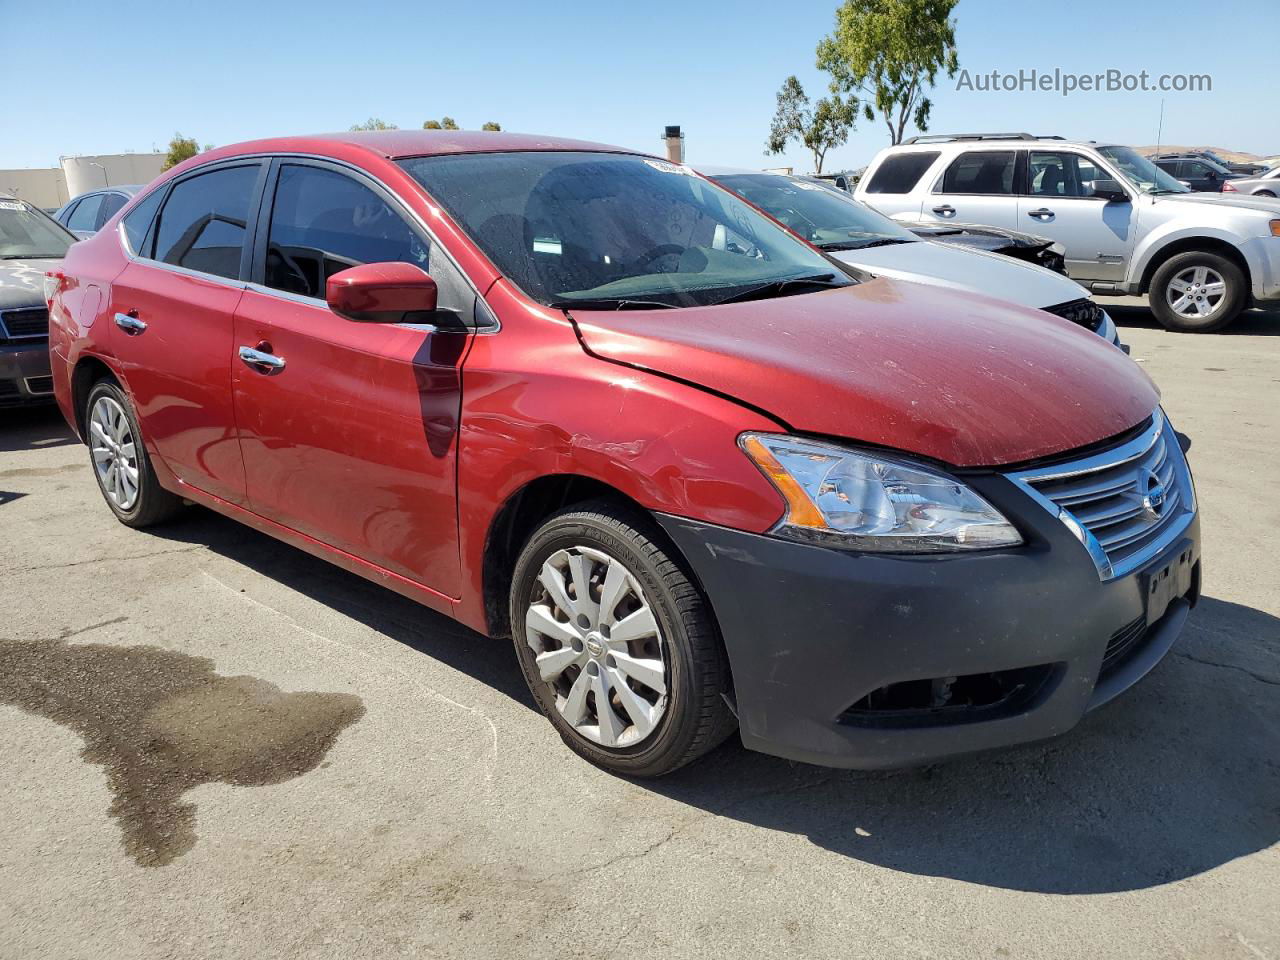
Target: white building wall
(41, 187)
(87, 173)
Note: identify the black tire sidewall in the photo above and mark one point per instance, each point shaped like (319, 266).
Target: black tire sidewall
(148, 488)
(677, 727)
(1232, 302)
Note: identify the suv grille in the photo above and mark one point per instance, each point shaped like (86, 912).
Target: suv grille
(1125, 504)
(24, 324)
(1083, 311)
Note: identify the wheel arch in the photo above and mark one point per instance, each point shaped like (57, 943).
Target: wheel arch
(1205, 244)
(89, 369)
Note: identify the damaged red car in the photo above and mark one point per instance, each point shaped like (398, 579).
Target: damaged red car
(704, 477)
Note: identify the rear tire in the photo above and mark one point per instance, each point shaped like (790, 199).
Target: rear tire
(1197, 292)
(663, 684)
(120, 462)
(1264, 193)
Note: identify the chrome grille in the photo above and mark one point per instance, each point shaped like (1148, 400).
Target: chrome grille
(24, 324)
(1126, 504)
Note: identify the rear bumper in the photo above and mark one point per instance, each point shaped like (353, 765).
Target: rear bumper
(815, 637)
(25, 376)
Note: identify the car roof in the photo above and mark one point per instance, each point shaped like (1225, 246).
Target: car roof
(931, 142)
(398, 144)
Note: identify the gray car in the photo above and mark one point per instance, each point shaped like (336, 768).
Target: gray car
(1263, 185)
(855, 234)
(30, 244)
(86, 214)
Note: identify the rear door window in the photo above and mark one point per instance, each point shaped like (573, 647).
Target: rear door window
(203, 225)
(111, 204)
(900, 172)
(85, 215)
(981, 172)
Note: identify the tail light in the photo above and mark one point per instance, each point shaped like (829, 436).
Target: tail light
(1228, 188)
(52, 284)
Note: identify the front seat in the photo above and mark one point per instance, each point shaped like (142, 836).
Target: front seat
(1051, 180)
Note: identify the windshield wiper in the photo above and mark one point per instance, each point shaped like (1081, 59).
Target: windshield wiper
(609, 303)
(776, 288)
(30, 256)
(864, 244)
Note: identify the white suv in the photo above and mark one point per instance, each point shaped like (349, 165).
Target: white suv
(1128, 227)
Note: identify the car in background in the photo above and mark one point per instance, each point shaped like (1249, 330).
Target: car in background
(85, 215)
(1264, 185)
(1248, 168)
(1128, 227)
(30, 244)
(1198, 173)
(853, 233)
(702, 475)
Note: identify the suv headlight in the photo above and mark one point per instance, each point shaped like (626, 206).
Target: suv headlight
(861, 501)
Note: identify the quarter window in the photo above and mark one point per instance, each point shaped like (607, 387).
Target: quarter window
(323, 222)
(202, 225)
(982, 172)
(85, 215)
(901, 172)
(137, 223)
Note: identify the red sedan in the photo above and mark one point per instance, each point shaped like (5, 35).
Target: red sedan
(702, 474)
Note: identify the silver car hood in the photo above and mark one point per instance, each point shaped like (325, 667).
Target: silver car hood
(977, 271)
(1269, 205)
(22, 281)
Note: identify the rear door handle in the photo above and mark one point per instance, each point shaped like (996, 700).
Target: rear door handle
(130, 324)
(260, 360)
(1043, 213)
(945, 210)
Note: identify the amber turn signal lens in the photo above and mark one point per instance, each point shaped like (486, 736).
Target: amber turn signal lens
(1275, 228)
(801, 511)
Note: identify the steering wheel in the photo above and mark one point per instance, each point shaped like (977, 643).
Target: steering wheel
(661, 250)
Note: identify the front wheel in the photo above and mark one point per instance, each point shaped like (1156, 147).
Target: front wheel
(1196, 292)
(617, 645)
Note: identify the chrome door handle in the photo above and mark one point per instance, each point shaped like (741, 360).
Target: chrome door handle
(945, 210)
(130, 324)
(1041, 214)
(260, 361)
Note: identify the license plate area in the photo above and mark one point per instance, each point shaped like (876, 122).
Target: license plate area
(1169, 580)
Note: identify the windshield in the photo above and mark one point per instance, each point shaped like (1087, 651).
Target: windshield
(28, 234)
(1144, 174)
(821, 216)
(574, 227)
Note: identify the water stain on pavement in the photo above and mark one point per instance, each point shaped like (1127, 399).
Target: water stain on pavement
(163, 722)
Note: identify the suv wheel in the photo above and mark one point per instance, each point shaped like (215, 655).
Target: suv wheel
(617, 645)
(120, 463)
(1196, 292)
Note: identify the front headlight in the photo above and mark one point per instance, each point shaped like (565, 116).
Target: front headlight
(861, 501)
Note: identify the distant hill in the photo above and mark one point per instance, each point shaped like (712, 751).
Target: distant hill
(1235, 156)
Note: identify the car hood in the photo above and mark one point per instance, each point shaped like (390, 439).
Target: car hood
(960, 268)
(956, 377)
(1262, 204)
(22, 282)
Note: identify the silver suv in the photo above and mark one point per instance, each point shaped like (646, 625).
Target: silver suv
(1128, 227)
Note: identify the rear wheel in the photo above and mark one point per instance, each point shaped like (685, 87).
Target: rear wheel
(1264, 193)
(617, 645)
(1196, 292)
(120, 463)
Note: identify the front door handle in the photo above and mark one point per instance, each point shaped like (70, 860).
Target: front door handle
(1044, 213)
(130, 324)
(946, 210)
(261, 360)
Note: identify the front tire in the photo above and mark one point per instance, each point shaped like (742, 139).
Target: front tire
(618, 647)
(1197, 292)
(120, 462)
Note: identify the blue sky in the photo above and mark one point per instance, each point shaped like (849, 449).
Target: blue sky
(108, 77)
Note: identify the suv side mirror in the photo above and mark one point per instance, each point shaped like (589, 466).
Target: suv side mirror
(382, 293)
(1110, 190)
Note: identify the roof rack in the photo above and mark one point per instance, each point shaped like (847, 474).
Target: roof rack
(946, 137)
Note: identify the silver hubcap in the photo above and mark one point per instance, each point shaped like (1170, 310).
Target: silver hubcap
(114, 455)
(1196, 292)
(597, 646)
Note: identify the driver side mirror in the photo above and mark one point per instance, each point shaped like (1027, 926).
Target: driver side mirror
(382, 293)
(1110, 190)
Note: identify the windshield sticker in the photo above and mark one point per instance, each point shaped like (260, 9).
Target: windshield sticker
(801, 185)
(12, 205)
(666, 166)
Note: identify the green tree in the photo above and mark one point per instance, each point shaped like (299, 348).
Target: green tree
(374, 123)
(890, 52)
(444, 123)
(492, 127)
(819, 126)
(180, 148)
